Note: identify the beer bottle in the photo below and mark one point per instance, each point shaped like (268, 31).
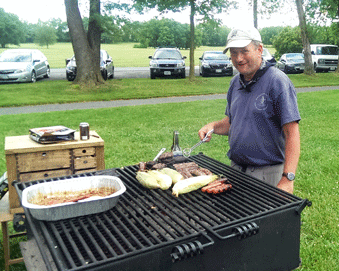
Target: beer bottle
(175, 147)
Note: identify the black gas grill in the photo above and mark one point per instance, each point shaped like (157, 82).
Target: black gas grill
(252, 227)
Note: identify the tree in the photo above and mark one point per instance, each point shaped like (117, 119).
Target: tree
(264, 7)
(11, 29)
(268, 34)
(288, 41)
(45, 35)
(206, 9)
(304, 37)
(166, 32)
(213, 34)
(61, 29)
(86, 46)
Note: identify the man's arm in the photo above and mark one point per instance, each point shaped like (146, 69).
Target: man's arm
(292, 153)
(220, 127)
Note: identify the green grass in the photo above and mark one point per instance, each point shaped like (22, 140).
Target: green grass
(136, 133)
(49, 92)
(46, 92)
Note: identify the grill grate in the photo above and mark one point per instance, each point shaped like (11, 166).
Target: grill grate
(147, 219)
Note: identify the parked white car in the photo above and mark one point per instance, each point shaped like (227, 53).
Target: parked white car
(23, 65)
(324, 57)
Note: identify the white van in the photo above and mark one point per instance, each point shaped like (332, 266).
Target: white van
(324, 57)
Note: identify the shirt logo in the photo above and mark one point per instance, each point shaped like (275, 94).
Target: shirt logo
(261, 102)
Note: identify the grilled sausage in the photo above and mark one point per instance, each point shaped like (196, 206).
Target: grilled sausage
(219, 189)
(212, 185)
(216, 187)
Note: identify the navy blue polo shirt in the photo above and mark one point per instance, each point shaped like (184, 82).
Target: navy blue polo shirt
(257, 112)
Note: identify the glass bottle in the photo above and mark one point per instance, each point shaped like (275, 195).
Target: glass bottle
(175, 147)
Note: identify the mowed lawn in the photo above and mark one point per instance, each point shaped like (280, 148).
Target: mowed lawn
(136, 133)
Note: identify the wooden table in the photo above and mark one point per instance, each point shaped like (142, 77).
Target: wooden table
(5, 217)
(28, 160)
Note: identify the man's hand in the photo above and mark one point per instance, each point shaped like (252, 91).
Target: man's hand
(220, 127)
(286, 185)
(204, 130)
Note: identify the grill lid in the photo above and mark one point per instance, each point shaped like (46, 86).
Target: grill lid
(146, 219)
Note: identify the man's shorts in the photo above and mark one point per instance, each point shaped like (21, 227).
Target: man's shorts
(269, 174)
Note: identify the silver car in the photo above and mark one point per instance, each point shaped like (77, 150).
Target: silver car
(23, 65)
(291, 63)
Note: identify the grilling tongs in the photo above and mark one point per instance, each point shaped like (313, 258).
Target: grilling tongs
(187, 152)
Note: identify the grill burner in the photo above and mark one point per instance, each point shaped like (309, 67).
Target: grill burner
(153, 230)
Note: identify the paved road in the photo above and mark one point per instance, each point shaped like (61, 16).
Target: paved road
(107, 104)
(119, 73)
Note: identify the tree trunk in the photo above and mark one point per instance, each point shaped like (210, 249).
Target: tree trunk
(304, 38)
(192, 45)
(337, 70)
(86, 47)
(255, 13)
(94, 33)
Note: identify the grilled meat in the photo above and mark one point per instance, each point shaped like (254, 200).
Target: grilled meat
(185, 173)
(191, 169)
(142, 166)
(186, 166)
(159, 166)
(201, 172)
(217, 187)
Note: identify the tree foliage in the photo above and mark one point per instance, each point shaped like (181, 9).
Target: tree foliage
(320, 10)
(213, 34)
(288, 41)
(45, 35)
(61, 29)
(166, 33)
(269, 33)
(265, 8)
(11, 29)
(205, 9)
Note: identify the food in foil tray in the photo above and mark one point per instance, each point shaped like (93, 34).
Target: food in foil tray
(73, 197)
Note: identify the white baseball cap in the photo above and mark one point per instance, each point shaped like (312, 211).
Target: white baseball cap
(239, 38)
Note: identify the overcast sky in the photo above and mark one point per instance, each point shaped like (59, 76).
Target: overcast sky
(33, 10)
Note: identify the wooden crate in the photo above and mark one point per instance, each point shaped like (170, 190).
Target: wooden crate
(28, 160)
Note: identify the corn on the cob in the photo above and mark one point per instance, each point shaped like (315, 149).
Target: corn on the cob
(175, 175)
(191, 184)
(163, 180)
(147, 180)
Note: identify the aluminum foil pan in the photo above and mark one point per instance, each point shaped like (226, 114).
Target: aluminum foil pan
(73, 209)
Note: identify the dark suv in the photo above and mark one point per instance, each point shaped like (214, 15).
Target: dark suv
(106, 66)
(167, 62)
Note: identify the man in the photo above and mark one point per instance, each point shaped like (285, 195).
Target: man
(261, 114)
